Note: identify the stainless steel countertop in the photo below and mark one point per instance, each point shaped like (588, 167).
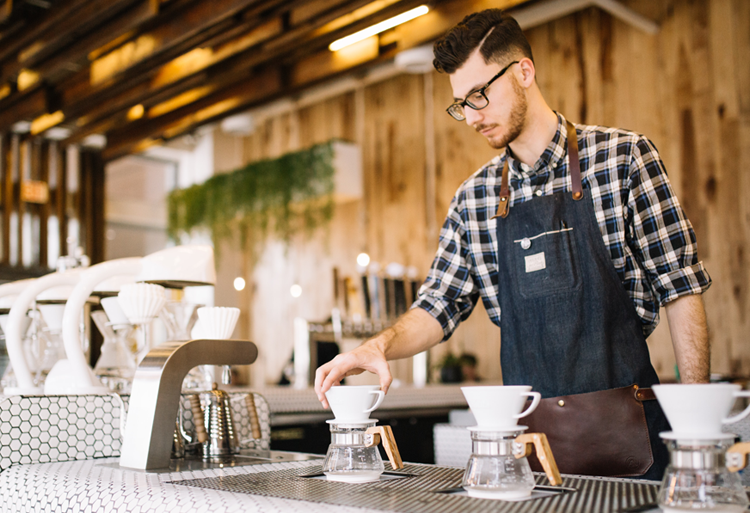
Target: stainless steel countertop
(97, 485)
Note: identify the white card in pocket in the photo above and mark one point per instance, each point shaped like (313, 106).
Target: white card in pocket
(535, 262)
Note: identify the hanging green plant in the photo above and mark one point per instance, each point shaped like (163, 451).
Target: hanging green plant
(287, 195)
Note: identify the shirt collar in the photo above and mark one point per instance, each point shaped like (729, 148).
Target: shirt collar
(550, 158)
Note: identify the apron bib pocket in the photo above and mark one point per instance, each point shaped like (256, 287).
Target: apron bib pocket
(546, 264)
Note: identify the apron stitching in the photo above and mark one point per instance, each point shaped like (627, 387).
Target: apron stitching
(543, 234)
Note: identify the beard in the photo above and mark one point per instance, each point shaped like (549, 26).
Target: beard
(516, 120)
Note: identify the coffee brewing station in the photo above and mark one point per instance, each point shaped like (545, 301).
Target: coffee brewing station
(168, 416)
(203, 203)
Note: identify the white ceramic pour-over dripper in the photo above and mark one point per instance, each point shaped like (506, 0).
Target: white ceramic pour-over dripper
(115, 315)
(217, 322)
(142, 302)
(698, 411)
(498, 408)
(214, 323)
(52, 315)
(353, 404)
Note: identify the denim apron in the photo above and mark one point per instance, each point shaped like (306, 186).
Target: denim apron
(567, 324)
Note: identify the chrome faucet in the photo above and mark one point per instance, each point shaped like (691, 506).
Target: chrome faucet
(156, 392)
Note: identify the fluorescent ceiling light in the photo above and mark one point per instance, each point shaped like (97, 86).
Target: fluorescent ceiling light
(378, 28)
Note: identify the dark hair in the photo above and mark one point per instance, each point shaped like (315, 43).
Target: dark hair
(454, 48)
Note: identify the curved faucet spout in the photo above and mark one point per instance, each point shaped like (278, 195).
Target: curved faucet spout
(156, 391)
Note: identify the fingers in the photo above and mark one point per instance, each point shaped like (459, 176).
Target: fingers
(320, 377)
(334, 377)
(327, 376)
(349, 364)
(383, 370)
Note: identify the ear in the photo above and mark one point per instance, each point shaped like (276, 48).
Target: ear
(526, 72)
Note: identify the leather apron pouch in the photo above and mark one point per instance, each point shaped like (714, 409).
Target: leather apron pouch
(600, 433)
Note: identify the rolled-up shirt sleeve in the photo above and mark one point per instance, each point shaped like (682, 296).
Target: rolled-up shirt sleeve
(449, 292)
(661, 236)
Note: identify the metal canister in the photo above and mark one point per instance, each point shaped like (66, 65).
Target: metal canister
(217, 415)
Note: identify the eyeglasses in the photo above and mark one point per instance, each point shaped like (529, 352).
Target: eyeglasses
(477, 99)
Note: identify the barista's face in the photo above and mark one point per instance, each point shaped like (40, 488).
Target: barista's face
(503, 119)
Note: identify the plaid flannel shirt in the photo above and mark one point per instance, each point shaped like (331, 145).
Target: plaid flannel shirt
(649, 238)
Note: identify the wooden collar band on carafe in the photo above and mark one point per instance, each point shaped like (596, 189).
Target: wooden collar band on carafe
(575, 174)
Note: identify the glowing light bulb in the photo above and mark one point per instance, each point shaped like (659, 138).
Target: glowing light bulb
(239, 283)
(363, 259)
(295, 290)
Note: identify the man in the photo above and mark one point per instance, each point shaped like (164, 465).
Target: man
(572, 237)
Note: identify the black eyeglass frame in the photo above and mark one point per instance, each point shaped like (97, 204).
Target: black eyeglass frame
(457, 115)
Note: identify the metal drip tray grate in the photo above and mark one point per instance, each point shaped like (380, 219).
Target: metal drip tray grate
(245, 457)
(421, 492)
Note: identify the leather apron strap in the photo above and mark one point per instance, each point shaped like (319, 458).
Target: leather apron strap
(575, 174)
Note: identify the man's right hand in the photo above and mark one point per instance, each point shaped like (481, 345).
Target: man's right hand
(370, 356)
(413, 333)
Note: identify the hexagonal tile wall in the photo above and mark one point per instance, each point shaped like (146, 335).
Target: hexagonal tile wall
(44, 429)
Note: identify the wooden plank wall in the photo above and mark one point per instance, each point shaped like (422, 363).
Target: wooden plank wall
(30, 225)
(687, 88)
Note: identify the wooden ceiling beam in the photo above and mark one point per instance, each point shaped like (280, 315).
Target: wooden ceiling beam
(57, 20)
(234, 63)
(76, 95)
(87, 19)
(206, 60)
(252, 90)
(184, 31)
(6, 10)
(73, 58)
(35, 100)
(81, 89)
(311, 70)
(148, 94)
